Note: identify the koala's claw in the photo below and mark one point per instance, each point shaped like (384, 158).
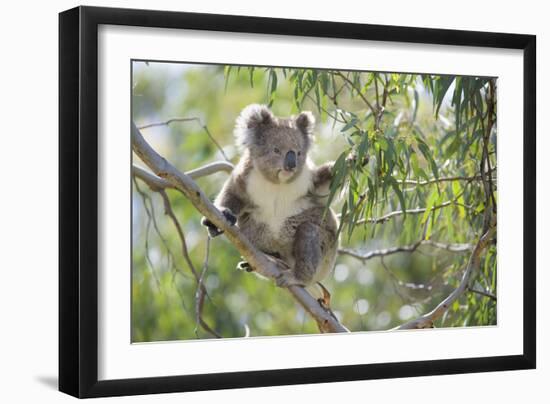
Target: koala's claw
(229, 216)
(325, 300)
(213, 231)
(244, 266)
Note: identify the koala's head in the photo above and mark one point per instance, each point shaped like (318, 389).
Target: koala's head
(277, 146)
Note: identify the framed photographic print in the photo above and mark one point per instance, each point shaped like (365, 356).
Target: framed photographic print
(251, 201)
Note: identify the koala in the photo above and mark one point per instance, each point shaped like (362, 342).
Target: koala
(277, 196)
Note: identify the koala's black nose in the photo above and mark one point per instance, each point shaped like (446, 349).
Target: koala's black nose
(290, 161)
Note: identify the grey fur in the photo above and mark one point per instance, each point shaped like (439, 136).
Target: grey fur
(305, 239)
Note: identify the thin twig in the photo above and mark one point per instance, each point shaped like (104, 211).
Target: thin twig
(482, 293)
(458, 248)
(428, 319)
(358, 91)
(168, 122)
(185, 252)
(396, 282)
(148, 213)
(200, 294)
(385, 94)
(376, 89)
(331, 115)
(416, 211)
(192, 119)
(441, 179)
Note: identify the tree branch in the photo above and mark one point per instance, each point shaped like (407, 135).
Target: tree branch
(406, 248)
(201, 293)
(261, 263)
(442, 179)
(168, 122)
(427, 320)
(159, 183)
(395, 213)
(154, 182)
(482, 293)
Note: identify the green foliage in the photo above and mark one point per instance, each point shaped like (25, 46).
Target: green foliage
(418, 131)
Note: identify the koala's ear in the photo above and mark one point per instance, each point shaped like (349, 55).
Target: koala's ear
(256, 115)
(305, 121)
(249, 121)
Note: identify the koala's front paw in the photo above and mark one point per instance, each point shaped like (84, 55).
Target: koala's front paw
(213, 231)
(229, 216)
(352, 159)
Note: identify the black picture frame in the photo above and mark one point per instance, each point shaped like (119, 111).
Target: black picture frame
(78, 200)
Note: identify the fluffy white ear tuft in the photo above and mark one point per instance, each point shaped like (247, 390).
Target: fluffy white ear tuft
(252, 118)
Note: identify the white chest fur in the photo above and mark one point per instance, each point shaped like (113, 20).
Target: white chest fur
(277, 202)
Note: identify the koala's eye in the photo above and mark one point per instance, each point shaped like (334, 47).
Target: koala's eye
(277, 151)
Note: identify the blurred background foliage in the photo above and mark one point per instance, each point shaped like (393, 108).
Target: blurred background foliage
(419, 130)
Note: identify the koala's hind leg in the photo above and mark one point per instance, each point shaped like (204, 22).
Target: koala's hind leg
(307, 252)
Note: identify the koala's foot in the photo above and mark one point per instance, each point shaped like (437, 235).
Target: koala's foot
(286, 279)
(244, 266)
(213, 231)
(275, 255)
